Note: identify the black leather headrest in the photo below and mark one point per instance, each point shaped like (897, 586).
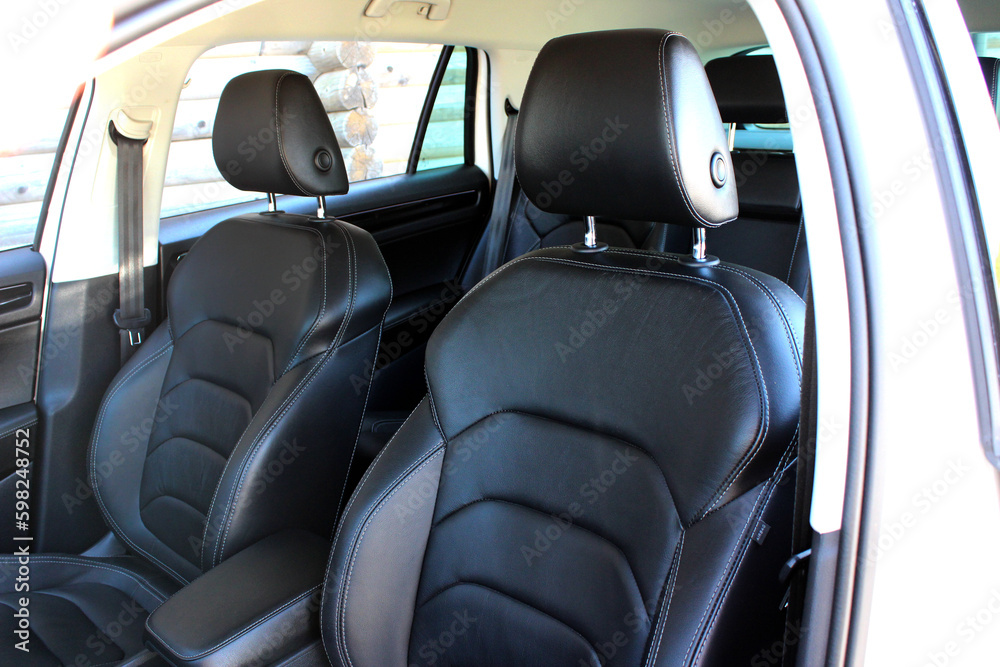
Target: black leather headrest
(747, 89)
(991, 70)
(272, 135)
(623, 124)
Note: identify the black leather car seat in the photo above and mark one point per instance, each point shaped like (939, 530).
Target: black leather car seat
(237, 417)
(596, 474)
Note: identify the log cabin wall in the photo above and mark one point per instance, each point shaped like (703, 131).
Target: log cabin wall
(373, 94)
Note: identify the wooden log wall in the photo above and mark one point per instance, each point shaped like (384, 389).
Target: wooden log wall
(373, 94)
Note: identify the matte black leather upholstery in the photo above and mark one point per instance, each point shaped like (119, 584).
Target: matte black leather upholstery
(274, 136)
(594, 475)
(237, 417)
(221, 620)
(569, 152)
(747, 89)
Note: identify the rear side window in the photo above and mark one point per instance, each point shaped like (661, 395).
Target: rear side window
(27, 152)
(373, 94)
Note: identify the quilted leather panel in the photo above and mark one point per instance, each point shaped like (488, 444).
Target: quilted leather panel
(540, 518)
(212, 389)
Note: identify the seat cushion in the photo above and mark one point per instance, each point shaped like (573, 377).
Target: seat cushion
(82, 611)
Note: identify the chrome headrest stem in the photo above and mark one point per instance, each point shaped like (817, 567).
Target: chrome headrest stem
(272, 202)
(590, 239)
(321, 208)
(699, 249)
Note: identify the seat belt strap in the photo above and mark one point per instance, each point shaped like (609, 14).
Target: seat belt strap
(500, 216)
(793, 575)
(132, 317)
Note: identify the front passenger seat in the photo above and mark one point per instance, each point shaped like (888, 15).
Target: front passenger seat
(237, 417)
(594, 477)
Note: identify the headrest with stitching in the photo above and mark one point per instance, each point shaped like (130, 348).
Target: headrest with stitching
(623, 124)
(272, 134)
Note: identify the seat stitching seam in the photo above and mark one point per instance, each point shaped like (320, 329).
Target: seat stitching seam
(549, 515)
(793, 340)
(627, 443)
(15, 429)
(322, 309)
(561, 622)
(355, 547)
(661, 622)
(68, 560)
(93, 460)
(340, 524)
(277, 132)
(364, 410)
(719, 583)
(289, 402)
(762, 392)
(685, 196)
(795, 249)
(743, 545)
(230, 639)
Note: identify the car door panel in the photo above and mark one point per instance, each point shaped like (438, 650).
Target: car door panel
(22, 283)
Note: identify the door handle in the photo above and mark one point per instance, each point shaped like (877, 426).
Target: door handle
(15, 297)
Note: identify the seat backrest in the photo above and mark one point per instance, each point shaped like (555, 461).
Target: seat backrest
(769, 234)
(220, 431)
(593, 477)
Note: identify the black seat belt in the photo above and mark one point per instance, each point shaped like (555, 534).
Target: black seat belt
(500, 217)
(793, 574)
(132, 316)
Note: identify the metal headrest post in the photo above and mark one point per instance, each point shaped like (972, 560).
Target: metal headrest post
(590, 242)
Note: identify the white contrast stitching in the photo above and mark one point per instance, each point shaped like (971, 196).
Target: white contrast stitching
(231, 639)
(272, 423)
(143, 583)
(353, 552)
(93, 462)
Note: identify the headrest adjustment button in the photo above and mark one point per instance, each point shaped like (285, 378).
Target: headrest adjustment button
(720, 171)
(323, 160)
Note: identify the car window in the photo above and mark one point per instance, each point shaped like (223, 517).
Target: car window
(373, 93)
(987, 44)
(27, 152)
(444, 143)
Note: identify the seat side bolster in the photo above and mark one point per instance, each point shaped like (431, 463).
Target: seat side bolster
(374, 569)
(118, 451)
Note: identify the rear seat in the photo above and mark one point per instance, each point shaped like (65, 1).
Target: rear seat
(768, 235)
